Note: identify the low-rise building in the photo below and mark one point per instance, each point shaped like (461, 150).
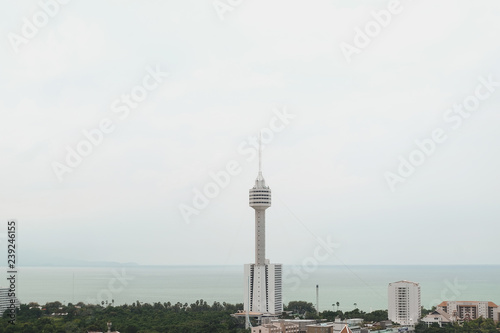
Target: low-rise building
(470, 310)
(338, 326)
(354, 321)
(277, 327)
(331, 327)
(320, 328)
(439, 317)
(302, 323)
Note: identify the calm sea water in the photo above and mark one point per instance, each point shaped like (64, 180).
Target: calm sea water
(364, 285)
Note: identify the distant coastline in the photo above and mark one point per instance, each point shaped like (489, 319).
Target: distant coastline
(83, 263)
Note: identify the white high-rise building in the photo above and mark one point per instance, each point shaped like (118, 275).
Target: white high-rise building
(404, 302)
(263, 283)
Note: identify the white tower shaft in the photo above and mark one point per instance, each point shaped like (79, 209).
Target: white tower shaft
(260, 236)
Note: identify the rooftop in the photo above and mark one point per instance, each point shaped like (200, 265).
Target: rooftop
(490, 304)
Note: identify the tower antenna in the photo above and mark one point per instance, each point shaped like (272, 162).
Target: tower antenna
(260, 152)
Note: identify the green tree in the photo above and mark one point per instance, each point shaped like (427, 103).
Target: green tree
(425, 311)
(300, 307)
(488, 326)
(131, 329)
(48, 328)
(376, 316)
(28, 328)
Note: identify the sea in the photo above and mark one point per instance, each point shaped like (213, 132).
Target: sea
(364, 287)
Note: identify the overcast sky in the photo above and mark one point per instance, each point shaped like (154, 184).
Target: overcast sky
(341, 90)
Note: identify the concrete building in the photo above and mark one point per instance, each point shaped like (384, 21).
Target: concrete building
(277, 327)
(338, 326)
(404, 302)
(263, 284)
(353, 325)
(354, 321)
(470, 310)
(320, 328)
(328, 328)
(302, 323)
(385, 324)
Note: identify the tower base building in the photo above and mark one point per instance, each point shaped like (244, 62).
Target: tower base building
(263, 288)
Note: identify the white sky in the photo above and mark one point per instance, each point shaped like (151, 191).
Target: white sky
(326, 167)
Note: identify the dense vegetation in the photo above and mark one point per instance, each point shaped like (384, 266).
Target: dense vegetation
(153, 318)
(479, 325)
(198, 317)
(308, 311)
(136, 318)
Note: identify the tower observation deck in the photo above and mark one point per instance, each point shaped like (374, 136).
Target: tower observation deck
(260, 200)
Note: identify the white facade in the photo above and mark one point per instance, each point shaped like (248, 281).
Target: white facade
(262, 280)
(263, 286)
(404, 302)
(470, 309)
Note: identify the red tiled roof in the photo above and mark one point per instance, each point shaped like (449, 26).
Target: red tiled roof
(346, 330)
(490, 304)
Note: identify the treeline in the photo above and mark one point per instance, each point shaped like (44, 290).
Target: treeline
(54, 317)
(197, 317)
(307, 310)
(374, 316)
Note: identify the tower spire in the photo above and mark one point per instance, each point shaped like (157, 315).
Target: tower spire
(260, 152)
(260, 182)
